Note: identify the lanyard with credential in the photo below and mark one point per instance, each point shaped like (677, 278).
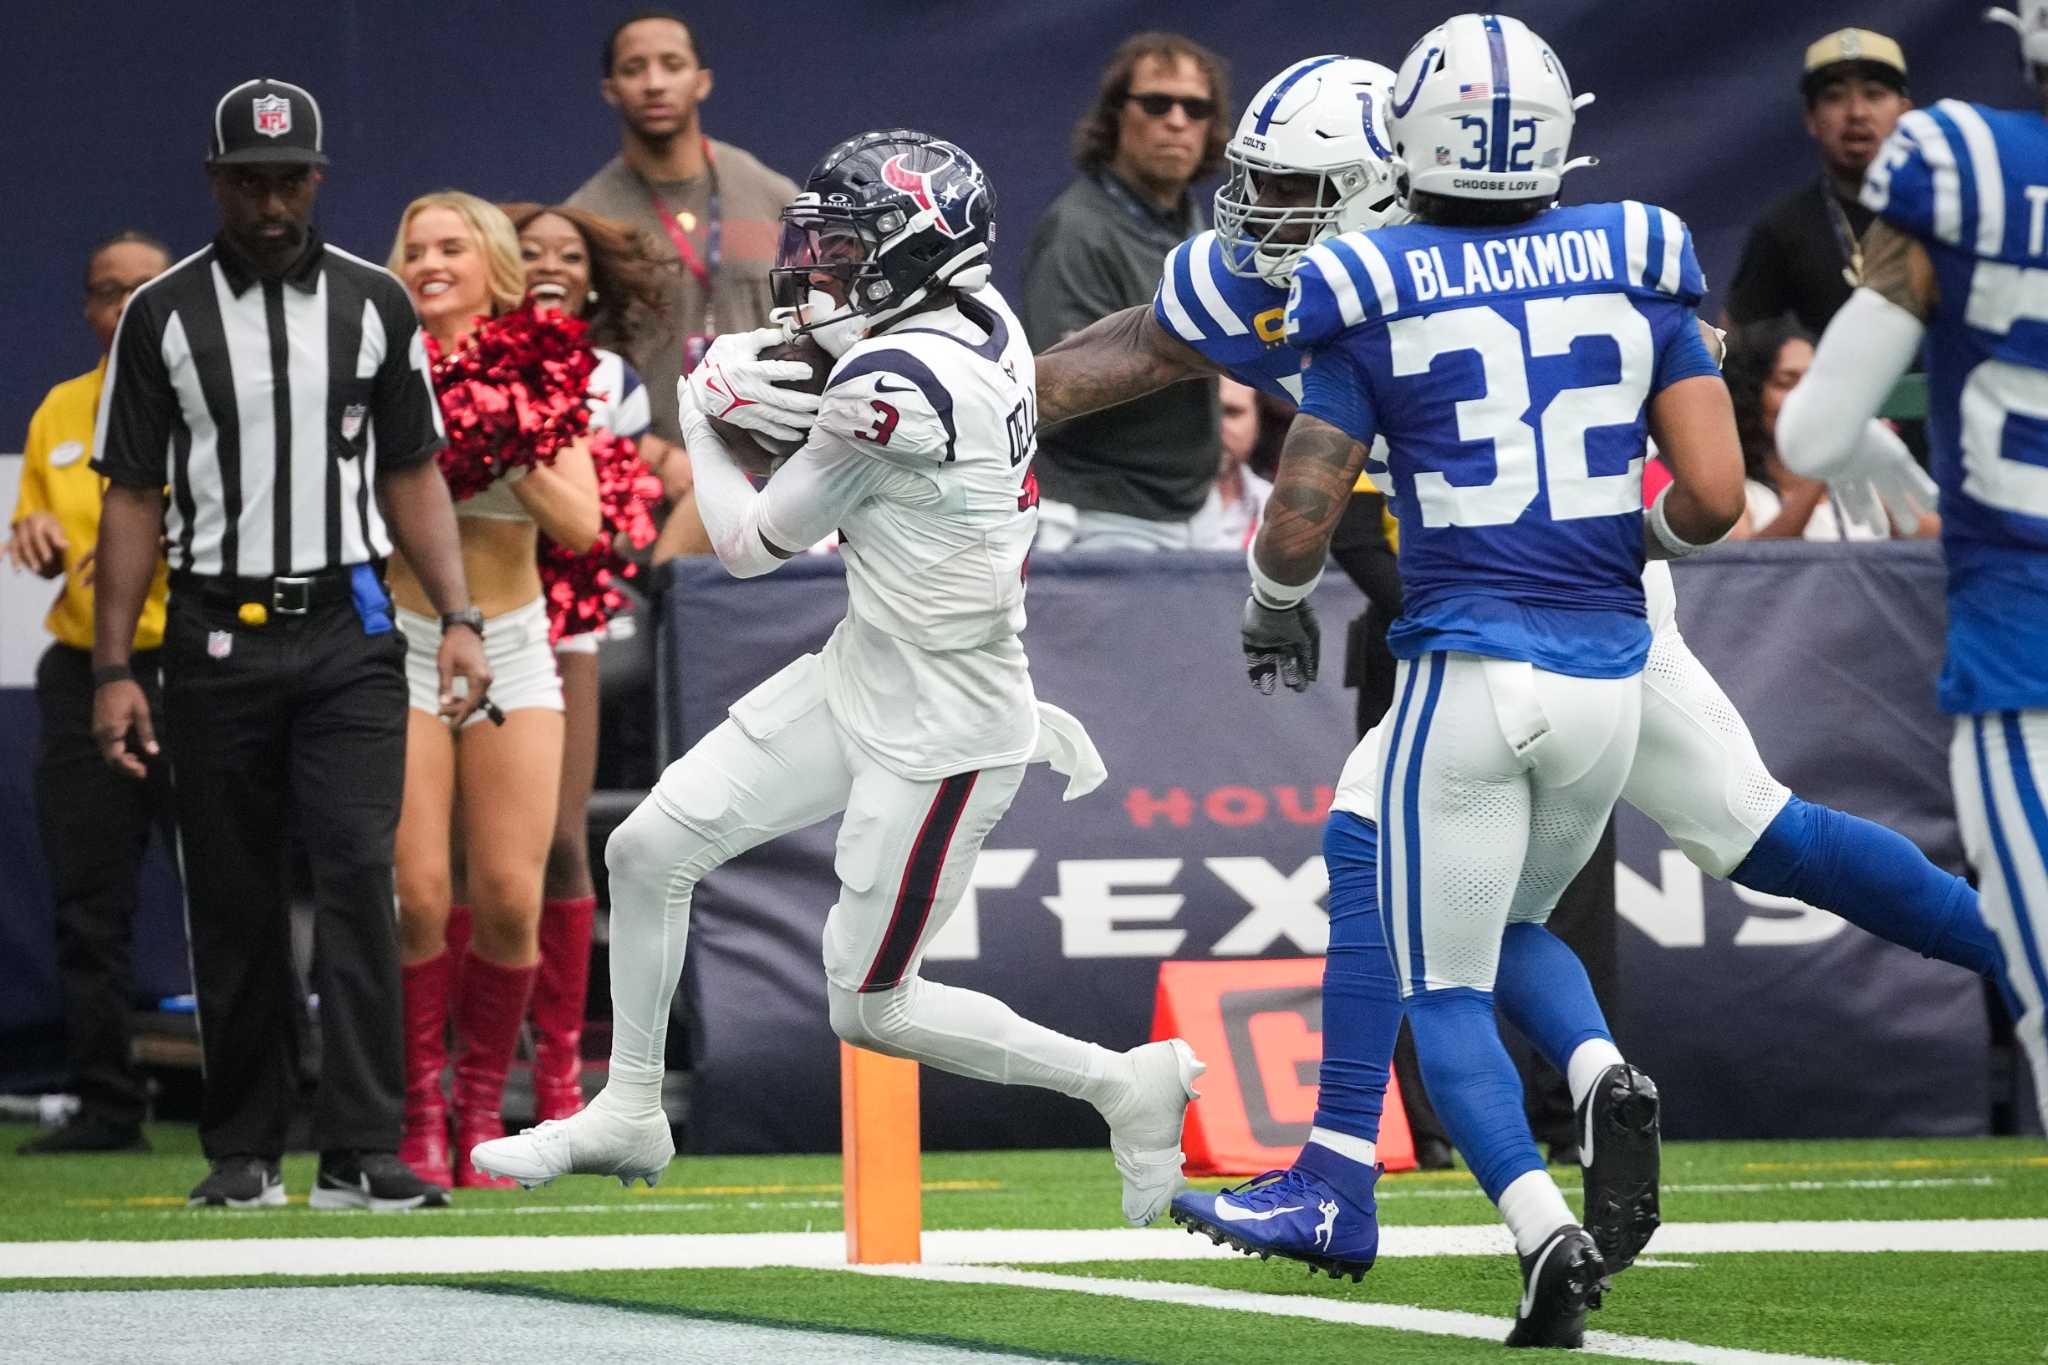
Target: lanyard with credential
(705, 271)
(1845, 236)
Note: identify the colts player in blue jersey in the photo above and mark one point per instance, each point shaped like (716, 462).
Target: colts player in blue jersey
(1958, 258)
(1514, 355)
(1309, 159)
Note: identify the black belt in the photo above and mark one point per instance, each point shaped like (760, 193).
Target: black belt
(284, 595)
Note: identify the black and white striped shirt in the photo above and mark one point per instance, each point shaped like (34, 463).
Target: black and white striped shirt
(267, 406)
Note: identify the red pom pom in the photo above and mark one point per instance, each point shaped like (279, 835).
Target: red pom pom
(512, 395)
(582, 589)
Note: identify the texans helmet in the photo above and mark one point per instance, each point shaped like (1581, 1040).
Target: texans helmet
(890, 216)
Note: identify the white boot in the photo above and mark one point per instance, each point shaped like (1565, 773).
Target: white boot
(1145, 1119)
(603, 1139)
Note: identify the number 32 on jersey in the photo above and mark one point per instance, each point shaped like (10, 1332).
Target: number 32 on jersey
(1501, 414)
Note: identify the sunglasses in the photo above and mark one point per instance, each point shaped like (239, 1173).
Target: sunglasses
(1158, 105)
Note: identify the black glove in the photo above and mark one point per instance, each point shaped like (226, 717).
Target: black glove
(1281, 643)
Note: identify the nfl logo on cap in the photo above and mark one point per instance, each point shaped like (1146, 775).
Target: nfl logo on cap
(266, 122)
(273, 115)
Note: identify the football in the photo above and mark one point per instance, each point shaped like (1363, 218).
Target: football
(757, 453)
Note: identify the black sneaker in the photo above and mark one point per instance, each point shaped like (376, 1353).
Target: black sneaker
(1620, 1155)
(240, 1182)
(1560, 1281)
(85, 1133)
(377, 1181)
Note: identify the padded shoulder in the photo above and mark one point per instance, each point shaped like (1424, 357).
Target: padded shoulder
(887, 394)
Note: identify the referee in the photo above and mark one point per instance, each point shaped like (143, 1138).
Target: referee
(278, 387)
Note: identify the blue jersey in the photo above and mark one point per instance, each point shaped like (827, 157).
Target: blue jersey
(1510, 370)
(1971, 184)
(1234, 321)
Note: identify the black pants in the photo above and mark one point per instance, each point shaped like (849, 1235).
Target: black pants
(297, 723)
(95, 827)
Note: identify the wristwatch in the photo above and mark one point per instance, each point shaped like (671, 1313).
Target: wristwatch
(471, 617)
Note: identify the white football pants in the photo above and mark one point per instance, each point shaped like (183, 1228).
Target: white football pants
(1497, 784)
(779, 762)
(1997, 764)
(1697, 772)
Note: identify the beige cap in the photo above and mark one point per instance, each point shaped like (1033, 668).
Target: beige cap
(1880, 58)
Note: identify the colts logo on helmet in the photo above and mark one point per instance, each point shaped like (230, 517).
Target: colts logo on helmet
(951, 208)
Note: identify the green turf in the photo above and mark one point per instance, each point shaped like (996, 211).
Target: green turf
(1879, 1307)
(142, 1197)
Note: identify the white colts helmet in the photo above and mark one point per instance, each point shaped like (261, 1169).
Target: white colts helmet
(1482, 109)
(1324, 117)
(2031, 23)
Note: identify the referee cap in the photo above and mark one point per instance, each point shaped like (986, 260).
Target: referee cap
(267, 120)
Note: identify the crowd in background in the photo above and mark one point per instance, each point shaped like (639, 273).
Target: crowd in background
(664, 247)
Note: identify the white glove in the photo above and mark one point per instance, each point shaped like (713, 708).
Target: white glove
(733, 384)
(1881, 480)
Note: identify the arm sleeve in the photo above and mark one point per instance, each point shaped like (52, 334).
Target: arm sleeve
(1868, 345)
(754, 533)
(406, 414)
(1334, 389)
(34, 494)
(1069, 282)
(131, 440)
(1683, 355)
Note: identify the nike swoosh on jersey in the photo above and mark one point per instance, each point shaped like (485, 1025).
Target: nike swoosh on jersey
(882, 385)
(1231, 1213)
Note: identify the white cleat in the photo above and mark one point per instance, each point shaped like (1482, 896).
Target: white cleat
(1145, 1123)
(600, 1140)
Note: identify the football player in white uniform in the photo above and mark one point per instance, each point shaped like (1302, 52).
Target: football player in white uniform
(917, 719)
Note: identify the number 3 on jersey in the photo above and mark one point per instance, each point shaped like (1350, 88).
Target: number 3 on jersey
(1501, 414)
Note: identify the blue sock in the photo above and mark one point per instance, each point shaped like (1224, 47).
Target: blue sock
(1541, 988)
(1875, 879)
(1474, 1085)
(1361, 1001)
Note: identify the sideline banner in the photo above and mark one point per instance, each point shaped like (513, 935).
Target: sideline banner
(1205, 844)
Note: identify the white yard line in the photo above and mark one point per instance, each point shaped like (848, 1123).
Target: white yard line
(427, 1255)
(1395, 1317)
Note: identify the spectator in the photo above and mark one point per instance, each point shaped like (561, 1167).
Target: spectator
(714, 210)
(459, 258)
(95, 825)
(1765, 361)
(1134, 476)
(1803, 256)
(1238, 496)
(284, 688)
(597, 270)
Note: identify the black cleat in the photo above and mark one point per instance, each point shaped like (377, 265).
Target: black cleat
(1560, 1280)
(240, 1182)
(377, 1181)
(1620, 1155)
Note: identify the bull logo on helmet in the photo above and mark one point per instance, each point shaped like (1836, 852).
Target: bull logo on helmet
(951, 207)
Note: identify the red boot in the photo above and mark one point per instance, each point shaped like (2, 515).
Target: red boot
(488, 1011)
(558, 998)
(425, 1145)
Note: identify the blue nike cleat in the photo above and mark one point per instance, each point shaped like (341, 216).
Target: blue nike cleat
(1288, 1213)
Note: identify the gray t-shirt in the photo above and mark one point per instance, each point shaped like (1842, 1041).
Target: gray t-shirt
(751, 199)
(1098, 251)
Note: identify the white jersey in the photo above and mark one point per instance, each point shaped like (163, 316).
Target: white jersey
(927, 672)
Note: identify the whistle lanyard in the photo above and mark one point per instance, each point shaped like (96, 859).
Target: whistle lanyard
(1845, 236)
(705, 270)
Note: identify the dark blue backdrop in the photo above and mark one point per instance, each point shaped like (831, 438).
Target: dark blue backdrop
(106, 108)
